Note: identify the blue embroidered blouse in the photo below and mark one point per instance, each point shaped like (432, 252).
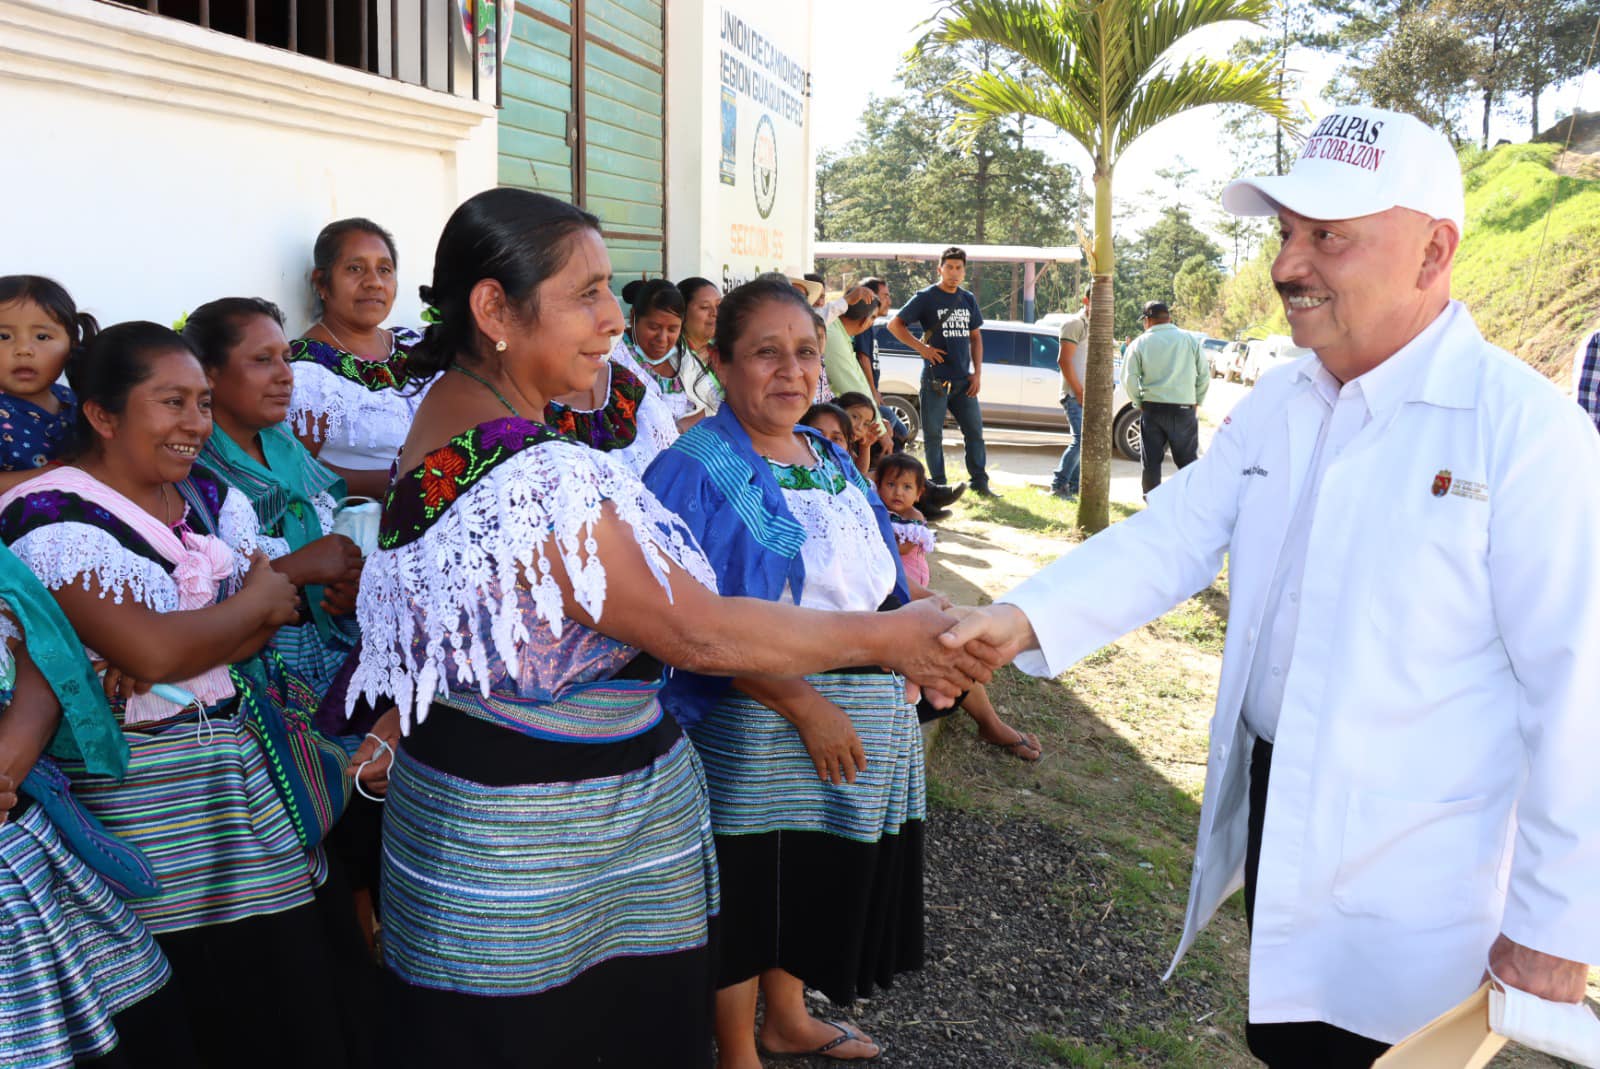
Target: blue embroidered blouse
(727, 496)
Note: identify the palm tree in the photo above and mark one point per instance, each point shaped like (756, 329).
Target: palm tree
(1098, 70)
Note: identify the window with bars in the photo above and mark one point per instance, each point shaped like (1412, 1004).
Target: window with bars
(391, 38)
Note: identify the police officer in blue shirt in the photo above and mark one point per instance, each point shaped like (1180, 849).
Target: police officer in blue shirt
(952, 350)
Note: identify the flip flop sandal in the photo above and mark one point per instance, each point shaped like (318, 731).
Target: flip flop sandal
(1023, 743)
(846, 1034)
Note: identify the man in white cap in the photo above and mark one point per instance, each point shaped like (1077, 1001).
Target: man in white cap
(1401, 765)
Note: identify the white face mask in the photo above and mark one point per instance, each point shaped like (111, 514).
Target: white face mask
(1567, 1030)
(358, 518)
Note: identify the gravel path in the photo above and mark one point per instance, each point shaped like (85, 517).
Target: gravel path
(1008, 957)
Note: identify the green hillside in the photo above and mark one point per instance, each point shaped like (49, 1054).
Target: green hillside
(1509, 192)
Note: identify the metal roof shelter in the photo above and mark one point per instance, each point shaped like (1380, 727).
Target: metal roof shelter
(1030, 256)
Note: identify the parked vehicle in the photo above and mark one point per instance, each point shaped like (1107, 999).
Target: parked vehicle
(1021, 381)
(1230, 363)
(1267, 353)
(1213, 348)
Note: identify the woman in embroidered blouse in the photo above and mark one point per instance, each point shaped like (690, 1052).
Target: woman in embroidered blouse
(241, 346)
(700, 299)
(549, 884)
(115, 535)
(816, 783)
(82, 975)
(619, 414)
(651, 349)
(353, 395)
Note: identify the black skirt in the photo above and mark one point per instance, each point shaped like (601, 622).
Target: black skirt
(278, 989)
(843, 916)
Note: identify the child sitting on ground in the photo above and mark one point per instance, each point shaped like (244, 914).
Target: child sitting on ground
(901, 480)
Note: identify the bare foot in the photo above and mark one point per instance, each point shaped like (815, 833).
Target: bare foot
(1022, 745)
(828, 1039)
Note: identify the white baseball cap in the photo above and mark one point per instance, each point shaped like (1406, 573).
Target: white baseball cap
(1360, 161)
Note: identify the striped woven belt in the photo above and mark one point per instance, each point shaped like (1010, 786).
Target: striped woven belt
(608, 711)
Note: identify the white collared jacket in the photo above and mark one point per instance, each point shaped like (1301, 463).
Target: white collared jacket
(1436, 775)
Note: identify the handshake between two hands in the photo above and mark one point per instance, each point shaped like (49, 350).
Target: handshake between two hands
(946, 648)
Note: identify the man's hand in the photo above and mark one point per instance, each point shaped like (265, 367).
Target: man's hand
(994, 634)
(1549, 977)
(918, 649)
(932, 355)
(972, 387)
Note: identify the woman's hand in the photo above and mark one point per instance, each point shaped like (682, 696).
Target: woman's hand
(8, 796)
(376, 753)
(117, 683)
(271, 591)
(328, 560)
(831, 740)
(339, 599)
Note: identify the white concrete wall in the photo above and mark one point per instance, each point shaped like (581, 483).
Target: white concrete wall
(155, 165)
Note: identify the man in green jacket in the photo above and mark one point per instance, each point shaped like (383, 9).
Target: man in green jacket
(1166, 374)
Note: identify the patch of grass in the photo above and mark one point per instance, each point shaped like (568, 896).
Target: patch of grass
(1124, 735)
(1510, 191)
(1024, 508)
(1074, 1052)
(1196, 623)
(1173, 1047)
(1028, 508)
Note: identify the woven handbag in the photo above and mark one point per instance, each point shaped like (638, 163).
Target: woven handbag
(307, 767)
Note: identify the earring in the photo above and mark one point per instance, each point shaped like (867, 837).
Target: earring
(500, 346)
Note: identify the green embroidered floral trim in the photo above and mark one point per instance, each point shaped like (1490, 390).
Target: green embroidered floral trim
(825, 475)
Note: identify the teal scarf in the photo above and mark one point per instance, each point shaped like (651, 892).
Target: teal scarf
(88, 731)
(280, 493)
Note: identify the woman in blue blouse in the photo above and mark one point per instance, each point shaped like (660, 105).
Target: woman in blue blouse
(816, 783)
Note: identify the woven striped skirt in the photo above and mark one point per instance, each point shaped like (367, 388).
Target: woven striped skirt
(71, 954)
(314, 661)
(823, 881)
(198, 800)
(549, 902)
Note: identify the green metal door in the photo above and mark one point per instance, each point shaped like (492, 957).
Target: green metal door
(582, 119)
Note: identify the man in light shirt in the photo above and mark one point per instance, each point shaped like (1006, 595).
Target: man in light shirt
(1400, 772)
(1166, 374)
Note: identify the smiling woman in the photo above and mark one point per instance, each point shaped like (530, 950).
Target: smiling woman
(354, 390)
(241, 346)
(816, 781)
(153, 562)
(525, 595)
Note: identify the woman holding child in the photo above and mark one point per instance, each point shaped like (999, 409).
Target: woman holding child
(817, 793)
(549, 869)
